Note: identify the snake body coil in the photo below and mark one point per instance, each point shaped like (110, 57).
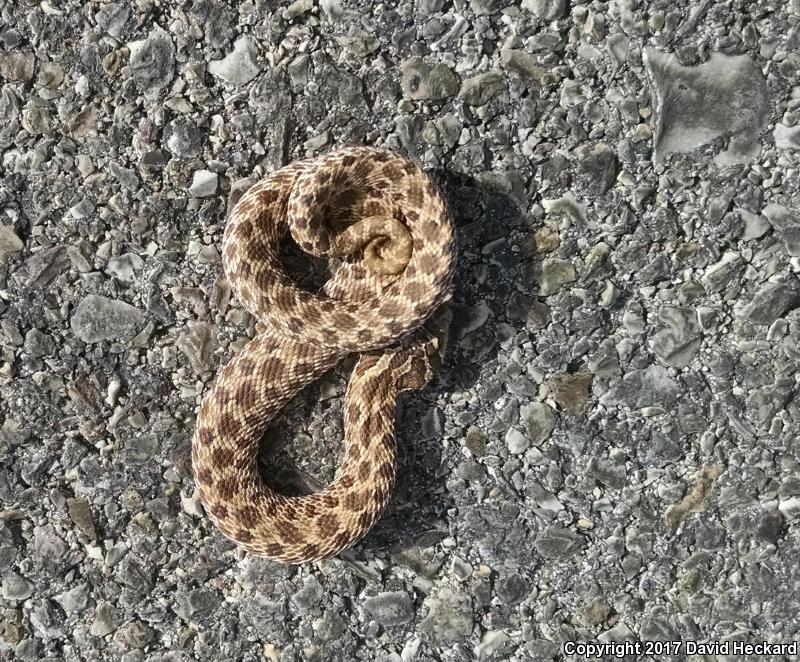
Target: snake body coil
(388, 221)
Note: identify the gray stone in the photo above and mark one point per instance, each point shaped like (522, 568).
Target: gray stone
(198, 342)
(525, 309)
(787, 137)
(208, 254)
(125, 266)
(98, 318)
(449, 617)
(106, 620)
(772, 301)
(475, 440)
(571, 390)
(423, 80)
(216, 20)
(471, 471)
(152, 61)
(10, 38)
(679, 342)
(657, 626)
(258, 612)
(17, 66)
(308, 597)
(719, 205)
(727, 95)
(240, 66)
(719, 275)
(297, 8)
(75, 599)
(390, 608)
(787, 226)
(154, 159)
(185, 138)
(495, 645)
(480, 89)
(426, 7)
(298, 69)
(49, 547)
(487, 7)
(197, 605)
(789, 508)
(596, 612)
(521, 385)
(538, 419)
(790, 486)
(81, 514)
(46, 620)
(11, 332)
(546, 40)
(38, 344)
(516, 441)
(450, 128)
(125, 176)
(549, 10)
(513, 588)
(114, 18)
(78, 260)
(28, 650)
(597, 169)
(651, 386)
(15, 587)
(134, 635)
(613, 475)
(553, 274)
(79, 126)
(431, 423)
(556, 542)
(526, 66)
(9, 242)
(756, 225)
(140, 448)
(204, 183)
(42, 267)
(131, 573)
(469, 320)
(83, 209)
(330, 627)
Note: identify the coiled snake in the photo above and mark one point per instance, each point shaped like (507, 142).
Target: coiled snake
(389, 223)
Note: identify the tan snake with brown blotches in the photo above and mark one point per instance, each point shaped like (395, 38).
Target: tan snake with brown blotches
(388, 222)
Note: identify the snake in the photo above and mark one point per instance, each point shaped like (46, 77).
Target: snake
(388, 235)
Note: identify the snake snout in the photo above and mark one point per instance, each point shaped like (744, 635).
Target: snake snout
(428, 349)
(438, 327)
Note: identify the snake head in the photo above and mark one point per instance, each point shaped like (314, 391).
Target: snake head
(438, 329)
(426, 349)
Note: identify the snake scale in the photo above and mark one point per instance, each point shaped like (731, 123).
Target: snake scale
(388, 223)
